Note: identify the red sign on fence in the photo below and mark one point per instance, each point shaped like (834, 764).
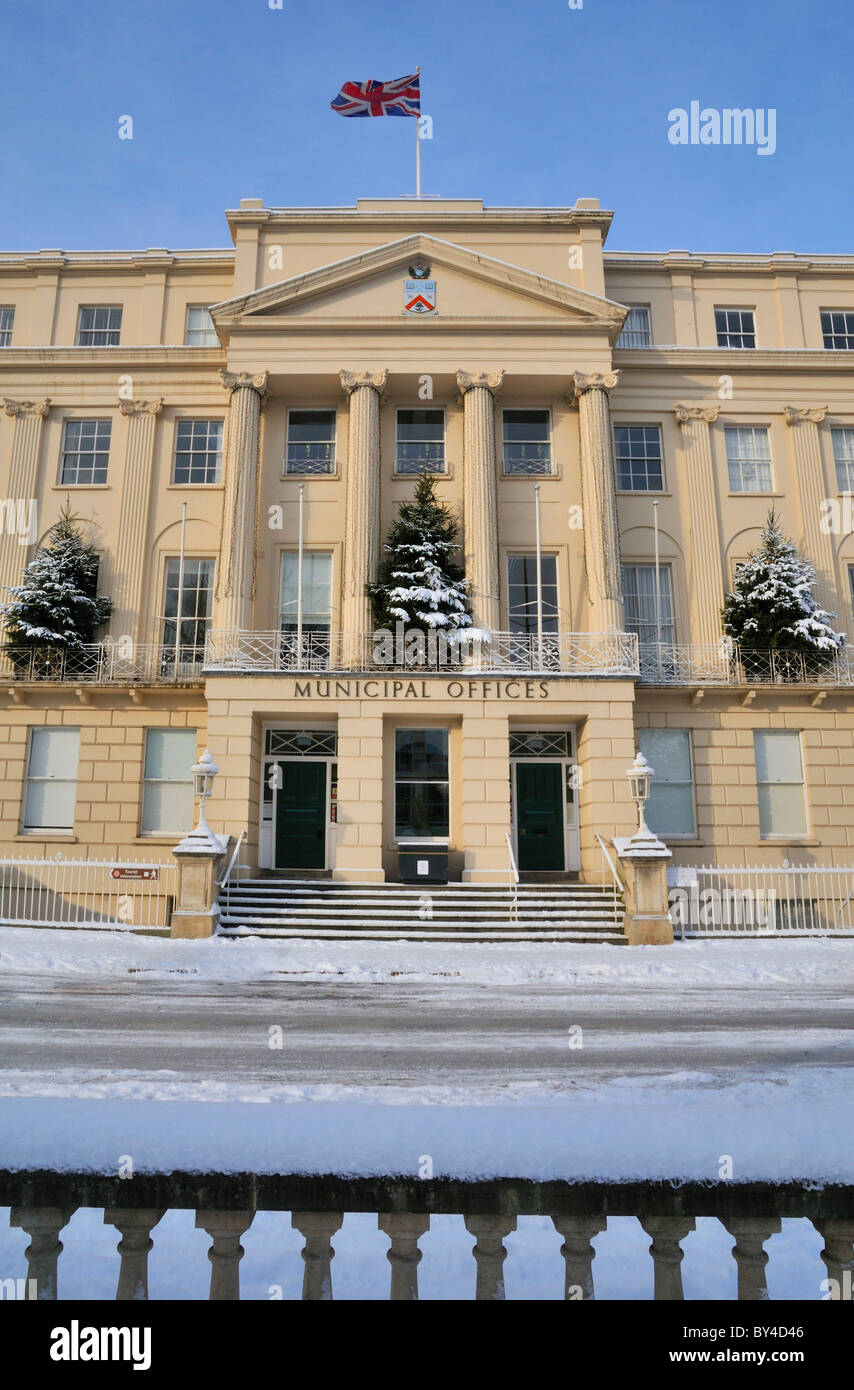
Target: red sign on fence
(135, 873)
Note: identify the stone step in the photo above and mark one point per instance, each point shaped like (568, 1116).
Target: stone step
(473, 934)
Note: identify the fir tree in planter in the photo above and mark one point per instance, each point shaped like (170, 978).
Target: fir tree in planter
(771, 607)
(56, 604)
(420, 602)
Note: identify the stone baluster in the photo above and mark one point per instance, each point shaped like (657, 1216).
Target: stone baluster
(132, 557)
(705, 550)
(667, 1254)
(235, 585)
(225, 1229)
(489, 1252)
(404, 1230)
(838, 1252)
(578, 1253)
(134, 1225)
(317, 1228)
(480, 494)
(365, 392)
(42, 1225)
(751, 1259)
(599, 500)
(812, 489)
(22, 487)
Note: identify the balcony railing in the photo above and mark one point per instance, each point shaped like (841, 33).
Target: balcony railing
(730, 664)
(565, 653)
(104, 663)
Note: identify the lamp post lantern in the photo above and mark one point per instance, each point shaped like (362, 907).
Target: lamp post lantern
(640, 782)
(204, 773)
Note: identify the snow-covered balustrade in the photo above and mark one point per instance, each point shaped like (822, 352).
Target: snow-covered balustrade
(567, 653)
(761, 900)
(116, 894)
(103, 663)
(728, 664)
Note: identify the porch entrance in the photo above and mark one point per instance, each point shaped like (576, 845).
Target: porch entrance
(301, 803)
(544, 788)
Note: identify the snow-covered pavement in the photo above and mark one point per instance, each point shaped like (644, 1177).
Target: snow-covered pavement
(544, 1060)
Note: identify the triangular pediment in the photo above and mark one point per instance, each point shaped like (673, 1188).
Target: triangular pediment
(470, 287)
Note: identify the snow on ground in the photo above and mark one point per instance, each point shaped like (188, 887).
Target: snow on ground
(817, 960)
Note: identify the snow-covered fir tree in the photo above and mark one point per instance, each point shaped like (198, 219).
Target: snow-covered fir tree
(56, 604)
(421, 594)
(771, 604)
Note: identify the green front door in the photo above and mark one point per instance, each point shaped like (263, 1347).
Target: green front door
(539, 816)
(301, 812)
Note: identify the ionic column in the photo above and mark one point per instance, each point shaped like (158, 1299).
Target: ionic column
(599, 500)
(225, 1229)
(235, 585)
(131, 546)
(29, 417)
(812, 490)
(404, 1230)
(42, 1225)
(489, 1252)
(317, 1228)
(838, 1252)
(667, 1254)
(748, 1254)
(578, 1253)
(705, 568)
(134, 1225)
(480, 494)
(364, 391)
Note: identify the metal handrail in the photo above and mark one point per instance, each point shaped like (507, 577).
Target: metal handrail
(611, 865)
(514, 880)
(223, 882)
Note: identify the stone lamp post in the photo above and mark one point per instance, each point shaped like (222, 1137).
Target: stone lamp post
(643, 860)
(199, 855)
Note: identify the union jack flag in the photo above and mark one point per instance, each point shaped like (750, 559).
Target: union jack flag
(400, 97)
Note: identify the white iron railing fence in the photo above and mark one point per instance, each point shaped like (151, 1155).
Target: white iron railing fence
(572, 653)
(103, 663)
(729, 664)
(115, 894)
(792, 900)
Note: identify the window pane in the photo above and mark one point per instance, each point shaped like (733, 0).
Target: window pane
(50, 805)
(669, 753)
(781, 810)
(7, 319)
(421, 753)
(200, 331)
(636, 331)
(735, 328)
(778, 757)
(51, 779)
(198, 452)
(843, 457)
(194, 609)
(639, 599)
(420, 441)
(670, 809)
(311, 441)
(316, 589)
(85, 452)
(522, 593)
(170, 753)
(527, 441)
(748, 449)
(421, 809)
(167, 808)
(54, 752)
(638, 457)
(837, 328)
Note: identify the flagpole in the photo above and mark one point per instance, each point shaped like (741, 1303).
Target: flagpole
(418, 146)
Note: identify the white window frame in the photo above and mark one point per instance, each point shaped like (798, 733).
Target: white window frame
(736, 466)
(172, 563)
(425, 840)
(329, 472)
(199, 420)
(78, 453)
(740, 331)
(93, 332)
(311, 619)
(649, 734)
(848, 333)
(417, 473)
(185, 781)
(7, 324)
(632, 328)
(204, 332)
(640, 425)
(528, 473)
(768, 782)
(30, 781)
(843, 458)
(666, 591)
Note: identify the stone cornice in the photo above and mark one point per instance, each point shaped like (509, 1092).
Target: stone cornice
(591, 381)
(133, 407)
(737, 360)
(493, 381)
(114, 359)
(795, 415)
(688, 414)
(254, 381)
(26, 407)
(353, 381)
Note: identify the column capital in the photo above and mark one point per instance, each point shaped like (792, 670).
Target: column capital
(352, 381)
(688, 414)
(793, 415)
(256, 381)
(26, 407)
(493, 381)
(592, 381)
(140, 407)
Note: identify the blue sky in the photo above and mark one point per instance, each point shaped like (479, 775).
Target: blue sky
(532, 103)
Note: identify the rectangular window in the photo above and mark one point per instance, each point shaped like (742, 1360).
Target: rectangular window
(639, 599)
(735, 328)
(670, 809)
(851, 583)
(843, 457)
(167, 782)
(748, 452)
(420, 441)
(7, 319)
(316, 591)
(188, 603)
(522, 593)
(637, 330)
(780, 783)
(51, 789)
(198, 452)
(199, 331)
(85, 452)
(837, 328)
(99, 325)
(421, 784)
(527, 441)
(311, 441)
(637, 449)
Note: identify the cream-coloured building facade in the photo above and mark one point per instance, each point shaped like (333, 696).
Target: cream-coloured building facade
(292, 420)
